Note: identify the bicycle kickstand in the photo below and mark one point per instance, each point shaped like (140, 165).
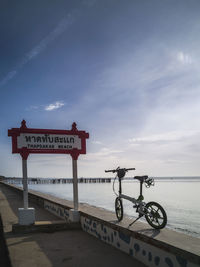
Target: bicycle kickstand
(135, 220)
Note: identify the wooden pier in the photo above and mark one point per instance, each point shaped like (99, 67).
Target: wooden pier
(57, 180)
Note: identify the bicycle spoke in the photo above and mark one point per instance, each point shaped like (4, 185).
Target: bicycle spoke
(156, 215)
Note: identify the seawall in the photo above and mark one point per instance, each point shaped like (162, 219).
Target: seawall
(152, 247)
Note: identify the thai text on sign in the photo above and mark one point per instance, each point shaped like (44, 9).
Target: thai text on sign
(48, 141)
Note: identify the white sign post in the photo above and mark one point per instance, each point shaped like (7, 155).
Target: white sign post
(26, 140)
(75, 183)
(25, 183)
(26, 214)
(74, 213)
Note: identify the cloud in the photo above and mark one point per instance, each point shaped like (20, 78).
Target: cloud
(97, 142)
(8, 77)
(50, 107)
(32, 107)
(184, 58)
(56, 105)
(108, 152)
(89, 3)
(164, 138)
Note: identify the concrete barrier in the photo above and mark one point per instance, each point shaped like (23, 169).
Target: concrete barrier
(164, 248)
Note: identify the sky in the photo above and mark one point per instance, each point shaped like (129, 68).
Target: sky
(126, 71)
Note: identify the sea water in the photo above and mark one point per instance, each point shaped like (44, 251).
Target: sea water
(179, 197)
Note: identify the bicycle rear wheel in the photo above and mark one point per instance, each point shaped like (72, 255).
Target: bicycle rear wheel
(155, 215)
(119, 209)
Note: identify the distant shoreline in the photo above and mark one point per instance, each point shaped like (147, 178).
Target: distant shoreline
(126, 178)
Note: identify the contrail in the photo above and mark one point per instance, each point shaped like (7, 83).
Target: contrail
(60, 28)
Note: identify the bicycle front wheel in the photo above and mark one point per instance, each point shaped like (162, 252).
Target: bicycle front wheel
(155, 215)
(119, 208)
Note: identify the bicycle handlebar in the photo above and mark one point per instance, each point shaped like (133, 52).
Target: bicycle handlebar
(116, 170)
(120, 172)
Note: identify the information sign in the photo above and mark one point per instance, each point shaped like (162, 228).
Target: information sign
(28, 140)
(40, 141)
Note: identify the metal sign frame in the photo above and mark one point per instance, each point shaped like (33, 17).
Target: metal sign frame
(24, 151)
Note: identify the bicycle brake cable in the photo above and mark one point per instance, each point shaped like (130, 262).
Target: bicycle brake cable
(114, 186)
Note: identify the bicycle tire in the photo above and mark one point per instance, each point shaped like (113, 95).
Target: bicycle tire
(156, 215)
(119, 209)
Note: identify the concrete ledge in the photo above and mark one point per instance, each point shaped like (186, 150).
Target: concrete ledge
(45, 226)
(152, 247)
(145, 235)
(146, 249)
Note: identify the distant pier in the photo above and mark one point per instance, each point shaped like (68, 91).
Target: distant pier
(57, 180)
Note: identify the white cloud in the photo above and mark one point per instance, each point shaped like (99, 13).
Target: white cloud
(164, 138)
(97, 142)
(103, 153)
(56, 105)
(184, 58)
(32, 107)
(106, 151)
(8, 77)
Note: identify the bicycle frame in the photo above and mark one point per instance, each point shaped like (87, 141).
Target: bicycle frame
(141, 184)
(138, 202)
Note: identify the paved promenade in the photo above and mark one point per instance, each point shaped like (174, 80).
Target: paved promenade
(72, 248)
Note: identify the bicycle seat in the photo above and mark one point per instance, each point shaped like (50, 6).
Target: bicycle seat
(141, 178)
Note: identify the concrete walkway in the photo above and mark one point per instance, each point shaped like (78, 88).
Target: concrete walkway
(65, 248)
